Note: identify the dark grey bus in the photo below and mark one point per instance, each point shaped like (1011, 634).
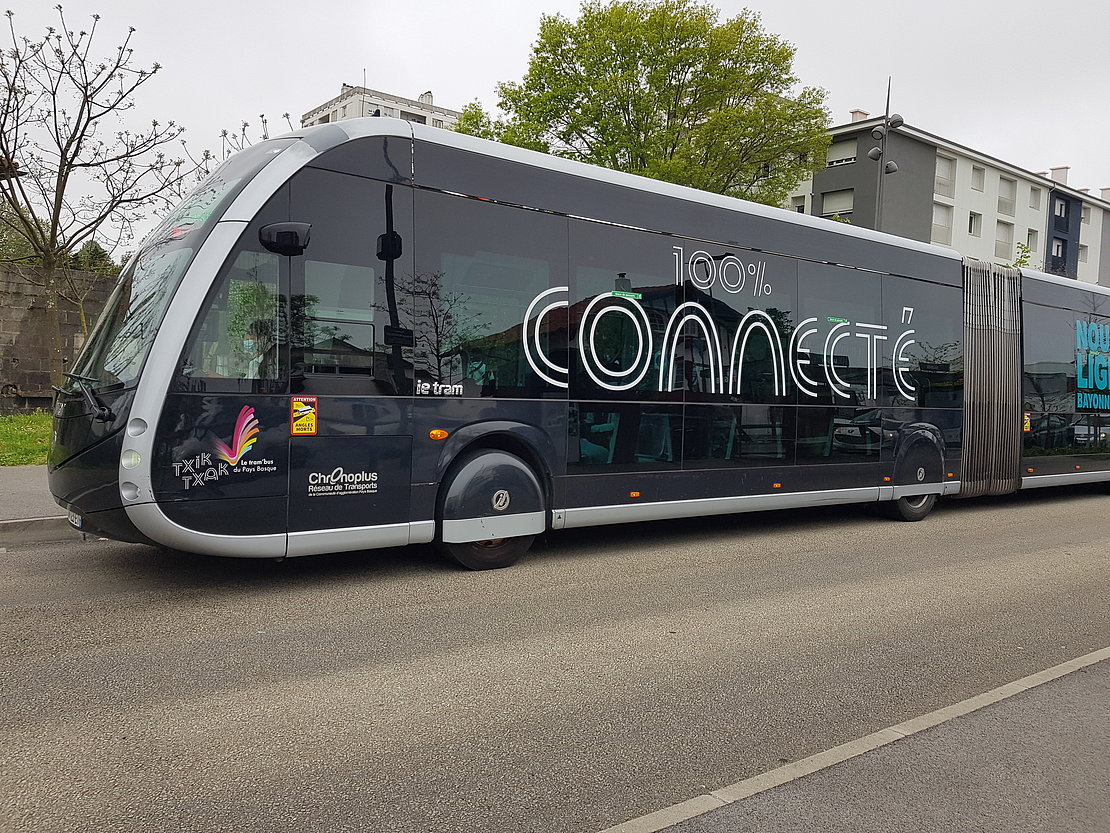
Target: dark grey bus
(374, 333)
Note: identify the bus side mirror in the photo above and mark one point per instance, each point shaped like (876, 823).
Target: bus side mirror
(287, 239)
(389, 246)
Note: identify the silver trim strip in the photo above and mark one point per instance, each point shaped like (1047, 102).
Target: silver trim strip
(148, 518)
(500, 526)
(952, 487)
(1041, 480)
(914, 489)
(320, 541)
(663, 510)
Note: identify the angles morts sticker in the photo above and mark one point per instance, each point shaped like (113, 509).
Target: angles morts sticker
(302, 416)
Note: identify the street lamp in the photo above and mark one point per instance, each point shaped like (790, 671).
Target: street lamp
(891, 121)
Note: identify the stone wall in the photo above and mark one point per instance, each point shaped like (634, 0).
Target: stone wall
(26, 343)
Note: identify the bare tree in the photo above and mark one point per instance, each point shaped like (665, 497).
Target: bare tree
(70, 169)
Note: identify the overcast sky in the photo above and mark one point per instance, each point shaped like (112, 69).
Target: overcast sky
(1022, 81)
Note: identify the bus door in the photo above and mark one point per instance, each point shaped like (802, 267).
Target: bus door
(350, 445)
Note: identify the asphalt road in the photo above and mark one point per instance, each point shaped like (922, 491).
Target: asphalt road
(613, 672)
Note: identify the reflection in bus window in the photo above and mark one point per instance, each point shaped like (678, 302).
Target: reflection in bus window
(240, 334)
(478, 269)
(629, 437)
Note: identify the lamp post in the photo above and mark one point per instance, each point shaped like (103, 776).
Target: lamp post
(891, 121)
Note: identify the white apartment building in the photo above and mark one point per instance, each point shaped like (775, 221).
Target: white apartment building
(356, 102)
(952, 195)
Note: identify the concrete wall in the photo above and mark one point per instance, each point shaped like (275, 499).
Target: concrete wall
(26, 343)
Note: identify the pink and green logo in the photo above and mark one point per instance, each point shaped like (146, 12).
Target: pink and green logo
(245, 436)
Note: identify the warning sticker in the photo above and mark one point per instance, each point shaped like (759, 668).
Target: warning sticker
(302, 415)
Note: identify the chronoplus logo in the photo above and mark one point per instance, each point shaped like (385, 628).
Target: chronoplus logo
(341, 482)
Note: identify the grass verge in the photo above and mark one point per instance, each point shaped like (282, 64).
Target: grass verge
(24, 439)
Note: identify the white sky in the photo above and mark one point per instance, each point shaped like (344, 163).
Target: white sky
(1019, 80)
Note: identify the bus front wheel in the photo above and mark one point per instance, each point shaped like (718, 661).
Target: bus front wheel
(488, 555)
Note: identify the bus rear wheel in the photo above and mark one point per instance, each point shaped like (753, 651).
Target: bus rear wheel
(919, 467)
(488, 555)
(913, 508)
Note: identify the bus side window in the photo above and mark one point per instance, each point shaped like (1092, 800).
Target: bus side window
(239, 337)
(344, 292)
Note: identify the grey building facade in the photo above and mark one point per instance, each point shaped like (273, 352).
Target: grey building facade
(952, 195)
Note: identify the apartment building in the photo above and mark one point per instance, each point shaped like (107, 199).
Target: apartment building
(945, 193)
(356, 102)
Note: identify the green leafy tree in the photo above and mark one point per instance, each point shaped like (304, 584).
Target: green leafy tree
(71, 171)
(475, 121)
(664, 89)
(1024, 256)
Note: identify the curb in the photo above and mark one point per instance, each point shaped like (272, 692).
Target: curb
(35, 531)
(701, 804)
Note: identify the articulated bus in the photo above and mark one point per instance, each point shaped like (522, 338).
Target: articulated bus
(373, 333)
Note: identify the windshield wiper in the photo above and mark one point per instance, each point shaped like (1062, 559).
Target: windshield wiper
(102, 412)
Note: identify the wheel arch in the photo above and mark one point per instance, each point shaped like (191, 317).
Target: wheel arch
(531, 444)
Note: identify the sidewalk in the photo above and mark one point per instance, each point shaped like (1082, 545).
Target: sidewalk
(28, 513)
(1035, 762)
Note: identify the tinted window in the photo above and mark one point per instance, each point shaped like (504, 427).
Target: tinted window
(626, 437)
(1050, 358)
(840, 318)
(745, 435)
(478, 302)
(347, 333)
(923, 353)
(239, 342)
(752, 299)
(622, 296)
(125, 332)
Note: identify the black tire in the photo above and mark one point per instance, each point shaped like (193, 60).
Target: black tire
(919, 466)
(914, 508)
(493, 553)
(488, 555)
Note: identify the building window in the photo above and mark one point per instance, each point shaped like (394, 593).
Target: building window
(978, 175)
(798, 204)
(1032, 240)
(841, 153)
(437, 122)
(1007, 195)
(837, 202)
(942, 224)
(974, 224)
(1058, 247)
(1060, 208)
(1087, 214)
(1035, 198)
(1004, 240)
(1082, 253)
(944, 183)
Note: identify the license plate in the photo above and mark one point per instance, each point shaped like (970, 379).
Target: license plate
(75, 519)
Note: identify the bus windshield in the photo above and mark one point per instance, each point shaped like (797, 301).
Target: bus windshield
(123, 335)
